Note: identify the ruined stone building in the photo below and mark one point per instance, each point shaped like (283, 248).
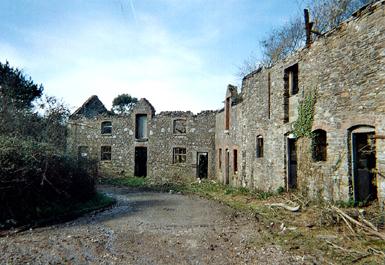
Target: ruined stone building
(252, 142)
(167, 146)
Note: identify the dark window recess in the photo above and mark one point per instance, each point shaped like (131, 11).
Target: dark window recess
(291, 79)
(227, 114)
(179, 126)
(105, 153)
(179, 155)
(141, 126)
(106, 127)
(220, 158)
(82, 152)
(259, 147)
(235, 160)
(319, 145)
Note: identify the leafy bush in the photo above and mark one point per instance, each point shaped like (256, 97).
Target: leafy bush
(34, 176)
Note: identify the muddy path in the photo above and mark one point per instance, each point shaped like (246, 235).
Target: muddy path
(149, 228)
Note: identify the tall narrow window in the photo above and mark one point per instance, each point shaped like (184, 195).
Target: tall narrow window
(268, 96)
(220, 158)
(291, 79)
(227, 114)
(319, 146)
(106, 127)
(259, 147)
(235, 160)
(141, 126)
(179, 155)
(105, 153)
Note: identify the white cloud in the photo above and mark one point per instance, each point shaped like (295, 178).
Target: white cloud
(108, 58)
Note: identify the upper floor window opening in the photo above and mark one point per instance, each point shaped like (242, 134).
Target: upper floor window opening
(141, 126)
(106, 127)
(227, 113)
(179, 126)
(291, 79)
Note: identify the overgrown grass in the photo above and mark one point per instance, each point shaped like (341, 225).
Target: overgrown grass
(206, 188)
(126, 181)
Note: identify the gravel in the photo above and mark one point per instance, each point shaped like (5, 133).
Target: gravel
(149, 228)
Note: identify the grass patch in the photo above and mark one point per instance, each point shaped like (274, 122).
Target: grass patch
(134, 182)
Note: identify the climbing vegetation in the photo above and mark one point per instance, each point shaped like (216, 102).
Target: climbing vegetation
(303, 124)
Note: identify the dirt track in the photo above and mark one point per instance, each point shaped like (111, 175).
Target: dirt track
(148, 228)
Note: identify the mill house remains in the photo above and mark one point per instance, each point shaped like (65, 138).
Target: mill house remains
(251, 142)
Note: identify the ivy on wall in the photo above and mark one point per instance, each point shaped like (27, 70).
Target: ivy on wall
(303, 124)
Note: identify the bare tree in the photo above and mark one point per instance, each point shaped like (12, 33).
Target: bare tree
(284, 40)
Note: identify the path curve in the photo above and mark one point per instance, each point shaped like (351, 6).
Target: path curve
(148, 228)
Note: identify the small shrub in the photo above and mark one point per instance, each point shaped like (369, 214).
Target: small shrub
(280, 190)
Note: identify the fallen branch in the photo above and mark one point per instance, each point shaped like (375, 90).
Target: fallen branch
(285, 206)
(366, 227)
(344, 249)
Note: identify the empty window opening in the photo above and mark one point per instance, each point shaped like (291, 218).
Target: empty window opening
(179, 126)
(179, 155)
(83, 152)
(105, 153)
(319, 145)
(106, 127)
(141, 126)
(259, 149)
(220, 158)
(235, 161)
(291, 79)
(227, 114)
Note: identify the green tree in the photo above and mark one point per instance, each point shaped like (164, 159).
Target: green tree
(16, 89)
(123, 103)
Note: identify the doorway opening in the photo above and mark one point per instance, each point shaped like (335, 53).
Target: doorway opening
(363, 164)
(291, 163)
(140, 162)
(202, 165)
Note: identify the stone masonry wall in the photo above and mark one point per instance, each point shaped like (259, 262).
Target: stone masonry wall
(347, 69)
(160, 141)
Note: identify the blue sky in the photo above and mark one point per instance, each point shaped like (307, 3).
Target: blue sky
(179, 54)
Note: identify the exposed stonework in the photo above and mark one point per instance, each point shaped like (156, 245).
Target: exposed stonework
(250, 142)
(346, 67)
(160, 139)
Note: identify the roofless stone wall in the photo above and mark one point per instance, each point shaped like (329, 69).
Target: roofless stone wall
(168, 146)
(346, 68)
